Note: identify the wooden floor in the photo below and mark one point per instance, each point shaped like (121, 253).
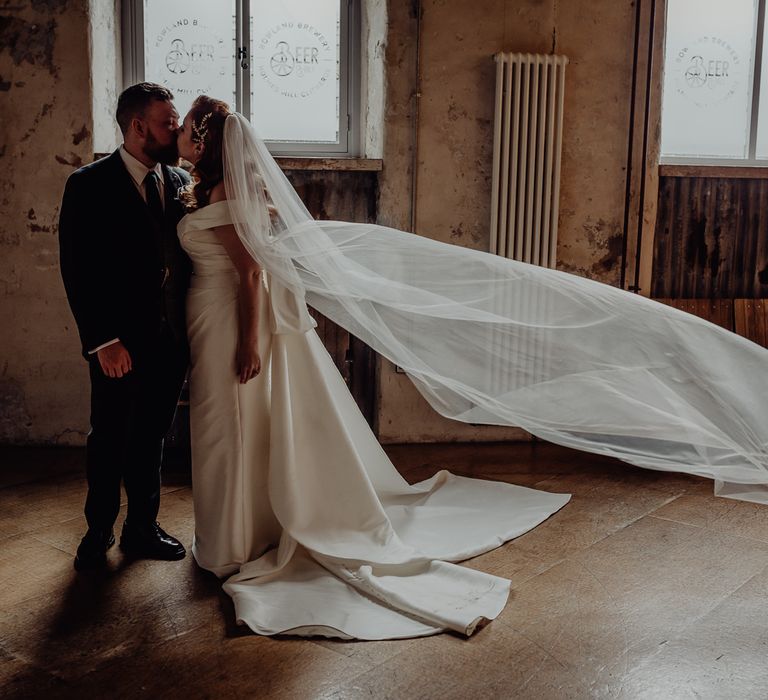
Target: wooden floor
(644, 586)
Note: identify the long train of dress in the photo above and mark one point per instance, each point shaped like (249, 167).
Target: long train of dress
(297, 503)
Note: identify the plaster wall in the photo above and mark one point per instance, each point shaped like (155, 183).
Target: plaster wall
(440, 121)
(106, 72)
(47, 126)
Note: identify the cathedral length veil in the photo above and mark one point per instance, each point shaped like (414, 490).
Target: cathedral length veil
(490, 340)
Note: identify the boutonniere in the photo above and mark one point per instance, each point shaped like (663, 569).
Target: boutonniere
(181, 188)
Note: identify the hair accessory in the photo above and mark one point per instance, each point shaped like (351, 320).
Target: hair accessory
(201, 131)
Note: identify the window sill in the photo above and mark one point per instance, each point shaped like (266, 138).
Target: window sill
(351, 164)
(718, 171)
(372, 165)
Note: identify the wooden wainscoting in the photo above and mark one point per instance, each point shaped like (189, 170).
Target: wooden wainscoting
(746, 317)
(751, 319)
(711, 238)
(343, 196)
(719, 311)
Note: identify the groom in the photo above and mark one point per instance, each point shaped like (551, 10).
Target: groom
(126, 279)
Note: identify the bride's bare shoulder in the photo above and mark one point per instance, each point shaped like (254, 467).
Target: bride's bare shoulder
(218, 194)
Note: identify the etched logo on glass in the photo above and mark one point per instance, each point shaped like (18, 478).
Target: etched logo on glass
(708, 71)
(295, 59)
(282, 62)
(189, 57)
(177, 59)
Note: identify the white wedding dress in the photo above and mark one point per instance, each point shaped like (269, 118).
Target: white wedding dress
(296, 502)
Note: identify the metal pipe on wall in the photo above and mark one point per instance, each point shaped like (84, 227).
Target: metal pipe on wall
(644, 162)
(630, 151)
(416, 98)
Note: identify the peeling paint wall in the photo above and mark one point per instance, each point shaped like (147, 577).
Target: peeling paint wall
(373, 76)
(598, 38)
(454, 135)
(56, 107)
(106, 73)
(45, 112)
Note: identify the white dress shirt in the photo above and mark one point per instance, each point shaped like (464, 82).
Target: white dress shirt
(138, 172)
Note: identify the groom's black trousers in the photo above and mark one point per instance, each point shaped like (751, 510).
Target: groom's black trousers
(129, 419)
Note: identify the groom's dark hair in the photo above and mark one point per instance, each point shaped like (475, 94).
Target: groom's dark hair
(135, 99)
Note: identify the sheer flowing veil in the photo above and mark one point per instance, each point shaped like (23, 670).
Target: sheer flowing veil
(490, 340)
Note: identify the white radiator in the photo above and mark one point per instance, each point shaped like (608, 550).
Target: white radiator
(527, 144)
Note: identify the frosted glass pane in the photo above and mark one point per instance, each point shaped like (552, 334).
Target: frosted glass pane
(295, 85)
(761, 150)
(189, 47)
(708, 78)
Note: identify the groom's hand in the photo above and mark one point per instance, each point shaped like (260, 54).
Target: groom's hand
(115, 360)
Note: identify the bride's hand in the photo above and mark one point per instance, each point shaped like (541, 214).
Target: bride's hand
(248, 361)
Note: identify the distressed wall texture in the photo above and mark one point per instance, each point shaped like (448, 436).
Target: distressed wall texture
(106, 72)
(45, 113)
(454, 138)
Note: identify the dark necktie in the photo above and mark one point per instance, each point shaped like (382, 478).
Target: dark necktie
(155, 204)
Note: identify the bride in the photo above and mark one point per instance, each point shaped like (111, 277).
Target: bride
(295, 501)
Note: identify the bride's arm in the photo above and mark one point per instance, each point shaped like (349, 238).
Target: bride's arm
(248, 360)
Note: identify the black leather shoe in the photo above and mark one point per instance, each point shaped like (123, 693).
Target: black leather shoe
(151, 542)
(92, 552)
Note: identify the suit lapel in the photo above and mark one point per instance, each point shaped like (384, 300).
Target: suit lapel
(134, 206)
(172, 184)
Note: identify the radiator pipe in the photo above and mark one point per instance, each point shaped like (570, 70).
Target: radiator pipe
(644, 163)
(415, 111)
(630, 150)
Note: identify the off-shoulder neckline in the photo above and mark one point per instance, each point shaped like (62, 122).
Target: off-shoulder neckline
(206, 207)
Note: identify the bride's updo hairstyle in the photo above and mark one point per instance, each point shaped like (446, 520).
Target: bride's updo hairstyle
(206, 122)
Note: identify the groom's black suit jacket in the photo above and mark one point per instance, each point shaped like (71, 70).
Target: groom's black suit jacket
(124, 272)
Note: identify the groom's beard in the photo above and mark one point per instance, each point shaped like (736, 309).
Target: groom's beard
(168, 154)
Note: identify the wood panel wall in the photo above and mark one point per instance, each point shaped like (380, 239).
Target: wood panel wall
(346, 196)
(711, 238)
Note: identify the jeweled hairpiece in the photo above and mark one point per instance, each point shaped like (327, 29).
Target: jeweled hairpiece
(201, 131)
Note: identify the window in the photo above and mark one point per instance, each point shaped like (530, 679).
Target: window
(292, 67)
(715, 96)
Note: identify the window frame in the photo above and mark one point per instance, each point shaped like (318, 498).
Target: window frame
(751, 161)
(349, 145)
